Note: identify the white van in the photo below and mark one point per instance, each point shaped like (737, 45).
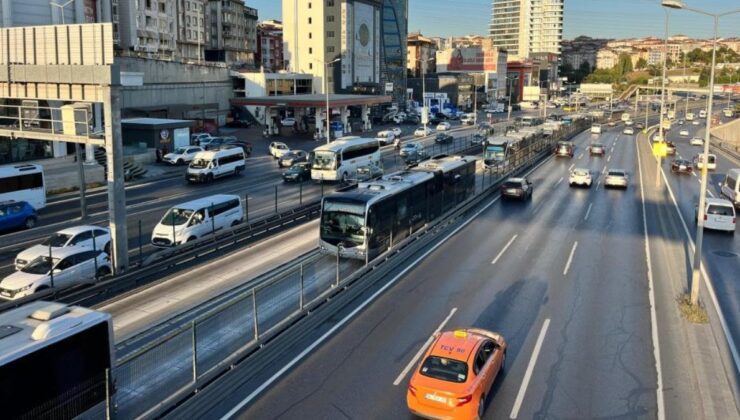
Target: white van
(731, 186)
(711, 161)
(211, 164)
(195, 219)
(596, 129)
(703, 113)
(719, 214)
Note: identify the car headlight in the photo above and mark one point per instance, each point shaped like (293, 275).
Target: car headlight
(23, 289)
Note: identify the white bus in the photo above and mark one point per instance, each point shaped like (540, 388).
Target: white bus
(338, 160)
(23, 182)
(55, 362)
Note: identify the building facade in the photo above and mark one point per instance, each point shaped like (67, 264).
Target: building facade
(191, 33)
(227, 37)
(421, 55)
(524, 27)
(40, 12)
(269, 54)
(606, 59)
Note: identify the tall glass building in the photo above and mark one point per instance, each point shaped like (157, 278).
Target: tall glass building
(393, 49)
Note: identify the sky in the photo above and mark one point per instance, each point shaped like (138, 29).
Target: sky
(594, 18)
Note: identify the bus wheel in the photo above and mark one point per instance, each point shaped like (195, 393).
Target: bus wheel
(30, 223)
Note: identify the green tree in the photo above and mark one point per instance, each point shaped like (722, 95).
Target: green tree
(641, 64)
(624, 64)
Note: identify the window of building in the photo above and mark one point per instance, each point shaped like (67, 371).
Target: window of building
(330, 18)
(309, 4)
(310, 35)
(309, 21)
(330, 34)
(330, 49)
(330, 3)
(310, 50)
(310, 66)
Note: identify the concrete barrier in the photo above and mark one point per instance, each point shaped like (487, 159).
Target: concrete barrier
(727, 136)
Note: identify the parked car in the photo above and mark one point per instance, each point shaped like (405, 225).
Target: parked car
(238, 123)
(368, 172)
(292, 157)
(580, 177)
(444, 126)
(681, 166)
(182, 155)
(278, 149)
(719, 214)
(16, 214)
(298, 172)
(77, 236)
(443, 138)
(245, 145)
(68, 267)
(616, 178)
(200, 139)
(287, 122)
(519, 188)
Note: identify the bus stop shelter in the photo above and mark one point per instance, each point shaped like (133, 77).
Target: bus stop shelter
(302, 103)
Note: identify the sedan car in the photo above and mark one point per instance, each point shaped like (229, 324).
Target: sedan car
(519, 188)
(387, 136)
(681, 166)
(17, 214)
(215, 143)
(456, 374)
(596, 149)
(443, 138)
(696, 141)
(611, 123)
(245, 145)
(369, 171)
(684, 132)
(564, 149)
(278, 149)
(287, 122)
(695, 122)
(478, 139)
(292, 157)
(670, 148)
(73, 237)
(410, 148)
(629, 123)
(658, 138)
(628, 131)
(298, 173)
(444, 126)
(423, 131)
(181, 155)
(639, 126)
(580, 177)
(68, 267)
(680, 122)
(616, 178)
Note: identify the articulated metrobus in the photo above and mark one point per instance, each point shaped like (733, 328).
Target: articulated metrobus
(55, 362)
(23, 182)
(339, 160)
(365, 221)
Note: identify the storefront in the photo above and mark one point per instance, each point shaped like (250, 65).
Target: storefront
(21, 150)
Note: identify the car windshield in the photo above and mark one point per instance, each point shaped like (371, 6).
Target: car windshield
(199, 164)
(580, 172)
(56, 240)
(324, 159)
(40, 265)
(597, 146)
(176, 217)
(445, 369)
(342, 222)
(616, 173)
(512, 184)
(181, 150)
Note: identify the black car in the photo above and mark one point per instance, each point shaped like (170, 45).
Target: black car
(519, 188)
(443, 138)
(298, 173)
(292, 157)
(411, 119)
(682, 166)
(215, 143)
(245, 145)
(516, 107)
(238, 124)
(478, 139)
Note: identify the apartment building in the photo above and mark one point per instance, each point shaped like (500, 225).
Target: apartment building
(421, 53)
(269, 53)
(227, 32)
(148, 26)
(524, 27)
(191, 29)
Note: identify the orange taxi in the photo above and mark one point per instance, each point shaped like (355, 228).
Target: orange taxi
(456, 374)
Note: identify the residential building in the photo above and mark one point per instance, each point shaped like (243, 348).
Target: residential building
(148, 27)
(227, 39)
(582, 49)
(39, 12)
(606, 58)
(191, 33)
(523, 27)
(421, 53)
(270, 45)
(251, 18)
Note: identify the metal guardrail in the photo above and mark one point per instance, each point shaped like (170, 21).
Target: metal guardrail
(154, 378)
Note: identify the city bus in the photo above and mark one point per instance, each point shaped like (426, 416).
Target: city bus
(23, 182)
(364, 221)
(495, 151)
(338, 160)
(55, 362)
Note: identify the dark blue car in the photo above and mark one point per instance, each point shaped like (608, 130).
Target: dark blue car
(16, 214)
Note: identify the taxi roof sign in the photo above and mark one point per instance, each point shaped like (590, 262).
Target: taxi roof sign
(461, 333)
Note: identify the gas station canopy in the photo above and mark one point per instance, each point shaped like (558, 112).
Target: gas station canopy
(312, 101)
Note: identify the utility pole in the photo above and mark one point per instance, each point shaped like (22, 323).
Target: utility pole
(662, 96)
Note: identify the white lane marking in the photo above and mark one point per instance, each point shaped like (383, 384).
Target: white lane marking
(603, 171)
(588, 211)
(580, 156)
(598, 184)
(609, 158)
(559, 181)
(570, 258)
(570, 168)
(508, 244)
(530, 369)
(418, 354)
(694, 173)
(651, 296)
(711, 194)
(359, 308)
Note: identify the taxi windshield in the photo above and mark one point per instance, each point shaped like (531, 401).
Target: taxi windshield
(444, 369)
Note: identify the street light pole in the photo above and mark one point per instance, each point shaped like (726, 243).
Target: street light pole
(425, 117)
(662, 95)
(696, 266)
(326, 92)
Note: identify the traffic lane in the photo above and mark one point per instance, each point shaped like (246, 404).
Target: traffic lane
(384, 337)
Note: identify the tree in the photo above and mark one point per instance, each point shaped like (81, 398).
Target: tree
(654, 71)
(641, 64)
(624, 64)
(584, 68)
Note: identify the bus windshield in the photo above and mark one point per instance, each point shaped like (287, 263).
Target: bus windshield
(176, 217)
(495, 153)
(342, 222)
(323, 159)
(199, 164)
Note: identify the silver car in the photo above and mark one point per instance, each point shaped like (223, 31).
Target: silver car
(616, 178)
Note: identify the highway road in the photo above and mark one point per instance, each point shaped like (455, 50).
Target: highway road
(567, 269)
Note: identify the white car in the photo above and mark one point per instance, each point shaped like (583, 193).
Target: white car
(423, 131)
(182, 155)
(616, 178)
(658, 138)
(467, 119)
(287, 122)
(683, 133)
(696, 141)
(695, 122)
(73, 237)
(387, 136)
(278, 149)
(66, 267)
(629, 123)
(444, 126)
(200, 138)
(628, 130)
(719, 214)
(580, 176)
(711, 162)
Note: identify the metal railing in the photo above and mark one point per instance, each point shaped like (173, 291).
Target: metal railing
(174, 365)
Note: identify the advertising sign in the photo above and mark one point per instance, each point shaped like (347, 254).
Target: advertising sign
(466, 59)
(734, 89)
(389, 87)
(531, 94)
(364, 43)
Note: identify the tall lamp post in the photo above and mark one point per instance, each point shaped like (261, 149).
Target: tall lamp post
(695, 271)
(61, 7)
(326, 92)
(425, 117)
(662, 93)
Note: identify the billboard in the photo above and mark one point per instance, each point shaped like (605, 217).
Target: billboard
(734, 89)
(467, 59)
(531, 94)
(364, 42)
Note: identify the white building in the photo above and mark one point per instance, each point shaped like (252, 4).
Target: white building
(525, 27)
